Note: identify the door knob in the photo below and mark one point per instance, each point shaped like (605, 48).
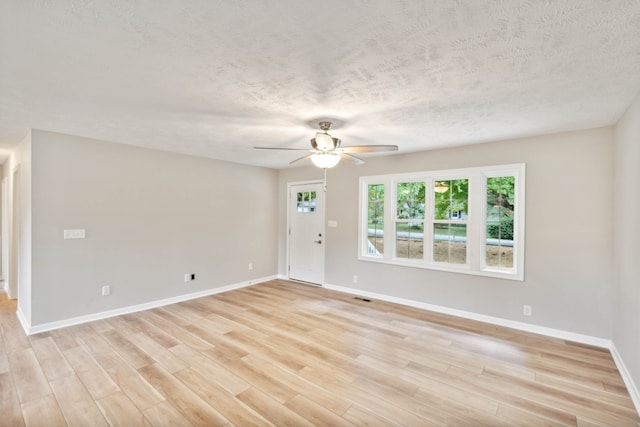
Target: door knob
(318, 241)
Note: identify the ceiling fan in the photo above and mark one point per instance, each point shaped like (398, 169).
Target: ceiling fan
(326, 151)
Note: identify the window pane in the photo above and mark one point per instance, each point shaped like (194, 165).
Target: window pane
(410, 200)
(451, 199)
(312, 202)
(499, 256)
(375, 219)
(299, 202)
(409, 240)
(500, 216)
(450, 243)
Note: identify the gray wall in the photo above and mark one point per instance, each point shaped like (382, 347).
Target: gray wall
(568, 272)
(150, 216)
(626, 220)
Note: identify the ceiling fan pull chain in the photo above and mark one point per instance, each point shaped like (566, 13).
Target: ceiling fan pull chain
(325, 180)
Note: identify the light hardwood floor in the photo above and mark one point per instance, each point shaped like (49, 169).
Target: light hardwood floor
(282, 353)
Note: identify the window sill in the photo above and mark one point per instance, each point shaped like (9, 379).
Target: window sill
(462, 268)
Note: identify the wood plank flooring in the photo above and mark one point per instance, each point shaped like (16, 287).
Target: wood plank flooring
(282, 353)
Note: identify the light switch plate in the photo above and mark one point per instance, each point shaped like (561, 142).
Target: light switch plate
(77, 233)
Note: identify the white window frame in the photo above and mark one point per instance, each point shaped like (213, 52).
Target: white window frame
(476, 221)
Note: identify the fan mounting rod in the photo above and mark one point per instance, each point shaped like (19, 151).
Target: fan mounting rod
(325, 126)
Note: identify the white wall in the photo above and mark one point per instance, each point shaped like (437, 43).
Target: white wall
(626, 220)
(150, 217)
(568, 271)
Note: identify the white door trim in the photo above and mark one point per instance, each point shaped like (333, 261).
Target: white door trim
(288, 230)
(15, 238)
(4, 238)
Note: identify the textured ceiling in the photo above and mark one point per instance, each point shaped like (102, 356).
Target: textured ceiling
(215, 78)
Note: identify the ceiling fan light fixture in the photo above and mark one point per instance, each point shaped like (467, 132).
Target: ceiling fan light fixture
(324, 141)
(326, 151)
(325, 160)
(441, 187)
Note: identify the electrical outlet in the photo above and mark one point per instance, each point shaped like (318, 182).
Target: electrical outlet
(106, 290)
(355, 279)
(250, 266)
(526, 310)
(187, 278)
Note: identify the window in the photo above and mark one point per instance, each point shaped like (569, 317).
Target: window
(409, 229)
(306, 202)
(500, 213)
(451, 201)
(464, 220)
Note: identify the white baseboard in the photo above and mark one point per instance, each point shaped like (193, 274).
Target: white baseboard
(30, 330)
(526, 327)
(23, 320)
(626, 377)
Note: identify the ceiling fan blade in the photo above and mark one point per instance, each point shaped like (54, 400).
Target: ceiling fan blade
(308, 156)
(351, 158)
(368, 148)
(279, 148)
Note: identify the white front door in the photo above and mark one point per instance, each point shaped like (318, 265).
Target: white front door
(306, 233)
